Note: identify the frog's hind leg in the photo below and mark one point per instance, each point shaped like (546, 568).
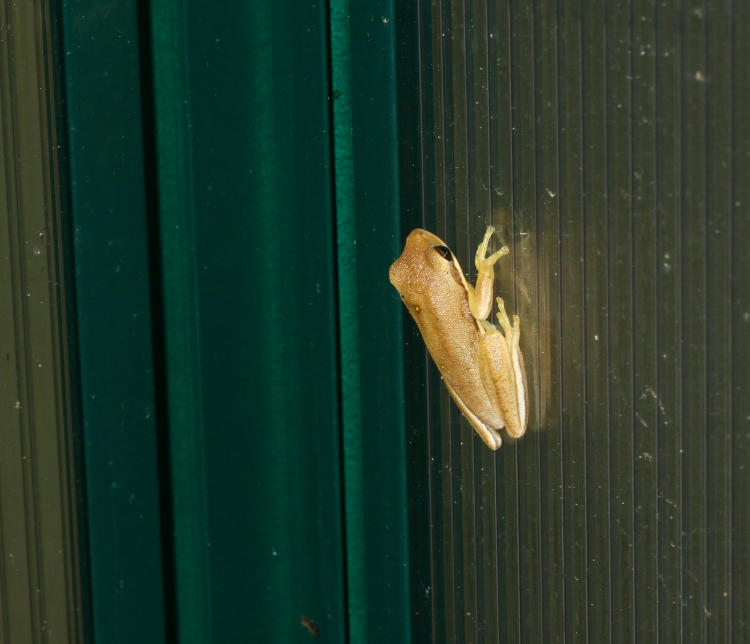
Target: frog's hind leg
(490, 436)
(513, 377)
(512, 331)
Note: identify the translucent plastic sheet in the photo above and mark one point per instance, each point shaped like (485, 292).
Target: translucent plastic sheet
(606, 143)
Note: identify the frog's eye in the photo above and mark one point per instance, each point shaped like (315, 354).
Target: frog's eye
(444, 251)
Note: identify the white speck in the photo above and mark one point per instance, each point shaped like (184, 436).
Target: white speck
(699, 76)
(37, 251)
(385, 20)
(551, 193)
(18, 404)
(596, 338)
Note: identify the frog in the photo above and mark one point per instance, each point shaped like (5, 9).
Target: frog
(481, 365)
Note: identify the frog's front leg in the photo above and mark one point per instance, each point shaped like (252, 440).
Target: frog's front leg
(502, 372)
(480, 296)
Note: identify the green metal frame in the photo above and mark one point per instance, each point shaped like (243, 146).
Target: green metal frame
(363, 55)
(108, 216)
(246, 227)
(245, 444)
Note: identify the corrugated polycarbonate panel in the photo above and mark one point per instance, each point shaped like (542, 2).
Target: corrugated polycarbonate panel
(42, 590)
(608, 144)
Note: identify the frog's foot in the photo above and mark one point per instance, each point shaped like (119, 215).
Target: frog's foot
(502, 318)
(516, 337)
(483, 263)
(512, 332)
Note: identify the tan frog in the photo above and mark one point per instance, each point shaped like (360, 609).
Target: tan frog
(481, 367)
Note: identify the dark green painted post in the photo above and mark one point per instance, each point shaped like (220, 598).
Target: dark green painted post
(258, 344)
(245, 206)
(363, 56)
(112, 286)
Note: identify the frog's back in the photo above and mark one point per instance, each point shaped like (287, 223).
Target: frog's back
(438, 302)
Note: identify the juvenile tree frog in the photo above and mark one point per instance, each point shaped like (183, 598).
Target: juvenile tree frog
(481, 367)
